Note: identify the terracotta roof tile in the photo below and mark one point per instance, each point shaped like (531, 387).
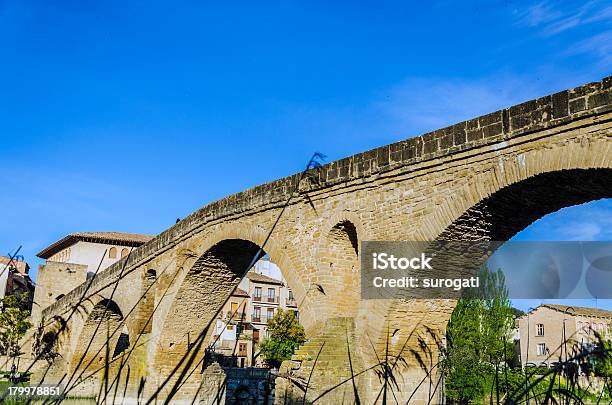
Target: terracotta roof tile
(260, 278)
(117, 238)
(21, 266)
(239, 292)
(581, 311)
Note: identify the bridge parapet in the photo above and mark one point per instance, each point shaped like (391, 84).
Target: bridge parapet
(588, 100)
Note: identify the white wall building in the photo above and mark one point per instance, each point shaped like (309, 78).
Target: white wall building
(96, 250)
(74, 258)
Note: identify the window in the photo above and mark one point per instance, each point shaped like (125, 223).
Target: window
(256, 314)
(540, 329)
(230, 327)
(271, 294)
(124, 252)
(257, 295)
(242, 349)
(270, 313)
(541, 349)
(234, 307)
(112, 253)
(255, 335)
(290, 295)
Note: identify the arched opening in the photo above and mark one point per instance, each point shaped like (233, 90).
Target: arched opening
(500, 217)
(222, 308)
(338, 273)
(98, 336)
(112, 253)
(417, 328)
(123, 342)
(241, 327)
(538, 332)
(207, 284)
(124, 252)
(513, 208)
(151, 274)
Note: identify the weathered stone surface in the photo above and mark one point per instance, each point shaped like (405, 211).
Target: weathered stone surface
(485, 178)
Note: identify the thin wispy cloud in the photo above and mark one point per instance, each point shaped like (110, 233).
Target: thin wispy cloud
(599, 45)
(418, 105)
(537, 14)
(552, 18)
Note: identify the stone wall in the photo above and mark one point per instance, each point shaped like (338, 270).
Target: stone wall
(536, 115)
(476, 179)
(52, 280)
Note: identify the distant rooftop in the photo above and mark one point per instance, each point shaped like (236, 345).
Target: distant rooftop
(239, 292)
(260, 278)
(581, 311)
(111, 238)
(21, 266)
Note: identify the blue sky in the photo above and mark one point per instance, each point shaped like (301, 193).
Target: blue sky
(126, 115)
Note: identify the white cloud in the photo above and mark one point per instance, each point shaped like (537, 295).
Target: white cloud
(552, 18)
(537, 14)
(599, 45)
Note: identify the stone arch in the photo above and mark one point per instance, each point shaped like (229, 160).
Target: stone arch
(207, 284)
(498, 215)
(281, 252)
(209, 269)
(337, 278)
(104, 317)
(511, 209)
(97, 336)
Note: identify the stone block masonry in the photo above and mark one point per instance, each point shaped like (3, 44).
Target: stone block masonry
(484, 178)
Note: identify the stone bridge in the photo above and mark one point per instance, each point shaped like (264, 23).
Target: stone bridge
(485, 178)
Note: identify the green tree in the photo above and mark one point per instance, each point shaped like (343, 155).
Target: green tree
(602, 361)
(476, 340)
(285, 334)
(14, 323)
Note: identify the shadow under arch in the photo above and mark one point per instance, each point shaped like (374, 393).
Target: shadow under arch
(208, 283)
(511, 209)
(418, 326)
(188, 325)
(338, 269)
(96, 338)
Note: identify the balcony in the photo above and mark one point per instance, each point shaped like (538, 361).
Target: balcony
(272, 300)
(260, 319)
(258, 299)
(291, 302)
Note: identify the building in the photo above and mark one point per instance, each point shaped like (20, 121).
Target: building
(243, 321)
(74, 258)
(233, 333)
(541, 331)
(15, 278)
